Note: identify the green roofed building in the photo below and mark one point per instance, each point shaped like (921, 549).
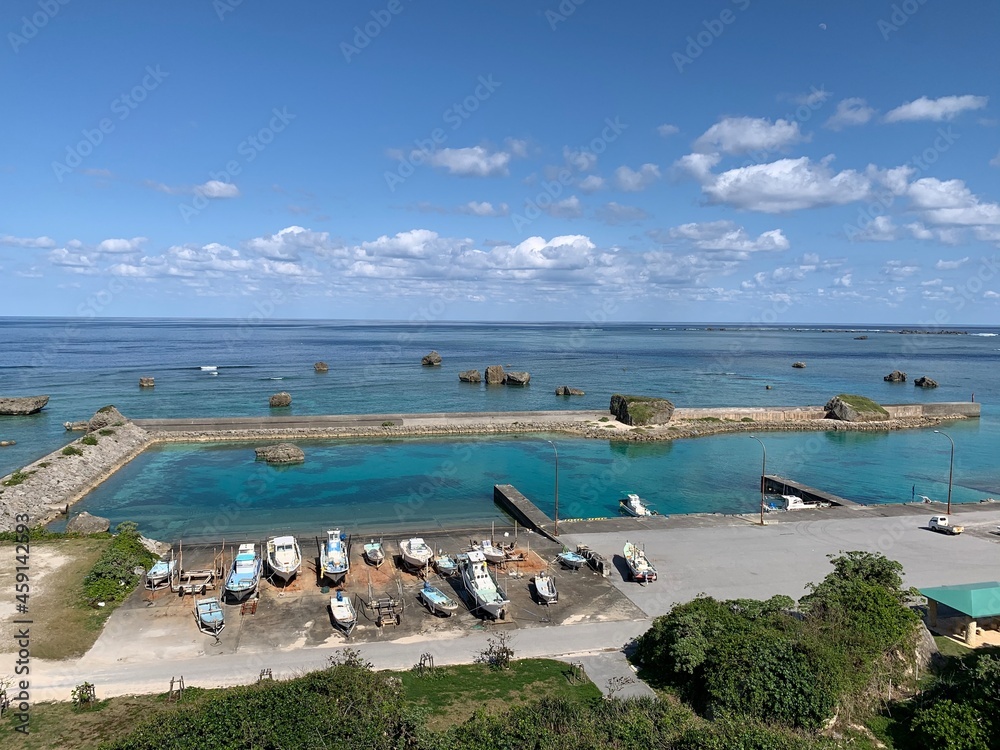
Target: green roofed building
(976, 601)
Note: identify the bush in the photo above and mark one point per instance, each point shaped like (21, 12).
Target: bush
(106, 432)
(89, 440)
(949, 726)
(113, 576)
(17, 478)
(72, 450)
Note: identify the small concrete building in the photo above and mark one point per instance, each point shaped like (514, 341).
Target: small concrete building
(975, 602)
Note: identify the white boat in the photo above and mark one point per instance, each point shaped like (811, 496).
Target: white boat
(374, 553)
(492, 554)
(572, 560)
(445, 565)
(343, 611)
(638, 565)
(284, 557)
(334, 561)
(794, 502)
(437, 601)
(633, 505)
(210, 617)
(482, 587)
(415, 552)
(545, 587)
(244, 576)
(158, 576)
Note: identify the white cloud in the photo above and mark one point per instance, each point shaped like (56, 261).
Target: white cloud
(740, 135)
(951, 265)
(666, 130)
(416, 243)
(724, 236)
(70, 259)
(591, 183)
(945, 108)
(844, 281)
(995, 161)
(484, 208)
(850, 112)
(698, 166)
(814, 98)
(517, 147)
(582, 160)
(32, 242)
(289, 244)
(950, 202)
(217, 189)
(633, 181)
(568, 208)
(616, 213)
(897, 270)
(476, 161)
(990, 294)
(879, 229)
(114, 246)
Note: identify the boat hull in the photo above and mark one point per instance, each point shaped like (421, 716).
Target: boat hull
(573, 562)
(545, 589)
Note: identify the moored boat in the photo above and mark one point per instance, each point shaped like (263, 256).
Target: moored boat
(437, 601)
(638, 564)
(374, 554)
(244, 576)
(482, 587)
(334, 561)
(284, 557)
(572, 560)
(343, 612)
(633, 505)
(415, 552)
(210, 617)
(545, 588)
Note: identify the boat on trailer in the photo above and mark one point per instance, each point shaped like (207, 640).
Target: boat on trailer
(572, 560)
(244, 576)
(284, 557)
(211, 619)
(545, 587)
(482, 587)
(374, 554)
(638, 564)
(415, 552)
(445, 564)
(438, 602)
(158, 576)
(343, 611)
(333, 558)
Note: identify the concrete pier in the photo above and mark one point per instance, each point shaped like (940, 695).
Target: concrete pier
(521, 508)
(778, 485)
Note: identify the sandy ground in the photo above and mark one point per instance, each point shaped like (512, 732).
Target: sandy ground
(45, 560)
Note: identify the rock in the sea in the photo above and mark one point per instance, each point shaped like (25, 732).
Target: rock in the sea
(81, 425)
(494, 374)
(925, 382)
(860, 338)
(470, 376)
(282, 453)
(516, 378)
(23, 405)
(84, 523)
(847, 408)
(799, 365)
(321, 367)
(5, 443)
(146, 382)
(895, 377)
(641, 410)
(280, 399)
(431, 360)
(106, 416)
(565, 390)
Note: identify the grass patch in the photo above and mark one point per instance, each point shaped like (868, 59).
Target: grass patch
(42, 534)
(105, 409)
(106, 432)
(604, 419)
(17, 478)
(72, 450)
(451, 694)
(862, 404)
(388, 424)
(89, 440)
(708, 419)
(747, 419)
(948, 647)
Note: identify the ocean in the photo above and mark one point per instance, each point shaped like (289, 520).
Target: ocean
(375, 368)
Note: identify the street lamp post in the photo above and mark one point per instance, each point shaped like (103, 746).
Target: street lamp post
(763, 473)
(951, 465)
(555, 528)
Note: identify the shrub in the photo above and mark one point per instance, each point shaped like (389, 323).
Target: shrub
(949, 726)
(17, 478)
(113, 576)
(388, 424)
(106, 432)
(88, 440)
(72, 450)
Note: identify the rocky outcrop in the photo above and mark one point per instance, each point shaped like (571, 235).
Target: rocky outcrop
(798, 365)
(22, 406)
(494, 375)
(641, 410)
(470, 376)
(854, 409)
(282, 453)
(279, 400)
(516, 378)
(146, 382)
(565, 390)
(925, 382)
(321, 367)
(81, 425)
(860, 338)
(895, 376)
(84, 523)
(431, 360)
(106, 416)
(6, 443)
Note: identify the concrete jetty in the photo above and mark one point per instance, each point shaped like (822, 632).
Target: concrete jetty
(779, 485)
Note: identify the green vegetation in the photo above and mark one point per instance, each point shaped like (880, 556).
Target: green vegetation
(89, 440)
(388, 424)
(106, 432)
(113, 576)
(604, 419)
(41, 534)
(746, 419)
(106, 409)
(862, 404)
(708, 419)
(72, 450)
(17, 478)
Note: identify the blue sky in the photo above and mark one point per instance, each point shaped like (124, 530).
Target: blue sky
(731, 160)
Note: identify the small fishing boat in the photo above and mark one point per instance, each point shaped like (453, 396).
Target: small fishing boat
(244, 576)
(284, 557)
(445, 565)
(492, 554)
(639, 566)
(572, 560)
(437, 601)
(633, 505)
(211, 619)
(415, 552)
(545, 587)
(482, 587)
(333, 558)
(374, 553)
(344, 614)
(158, 576)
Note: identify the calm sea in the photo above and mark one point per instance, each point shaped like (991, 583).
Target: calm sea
(391, 484)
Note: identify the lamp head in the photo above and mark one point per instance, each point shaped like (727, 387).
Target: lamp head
(937, 432)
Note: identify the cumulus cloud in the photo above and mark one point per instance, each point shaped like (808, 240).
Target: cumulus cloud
(724, 236)
(897, 270)
(936, 110)
(117, 246)
(615, 213)
(591, 183)
(568, 208)
(879, 229)
(950, 202)
(217, 189)
(484, 208)
(634, 181)
(475, 161)
(951, 265)
(740, 135)
(850, 112)
(27, 242)
(582, 160)
(666, 130)
(71, 259)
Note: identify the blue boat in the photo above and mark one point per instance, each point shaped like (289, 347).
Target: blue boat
(210, 616)
(437, 601)
(572, 560)
(244, 576)
(333, 558)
